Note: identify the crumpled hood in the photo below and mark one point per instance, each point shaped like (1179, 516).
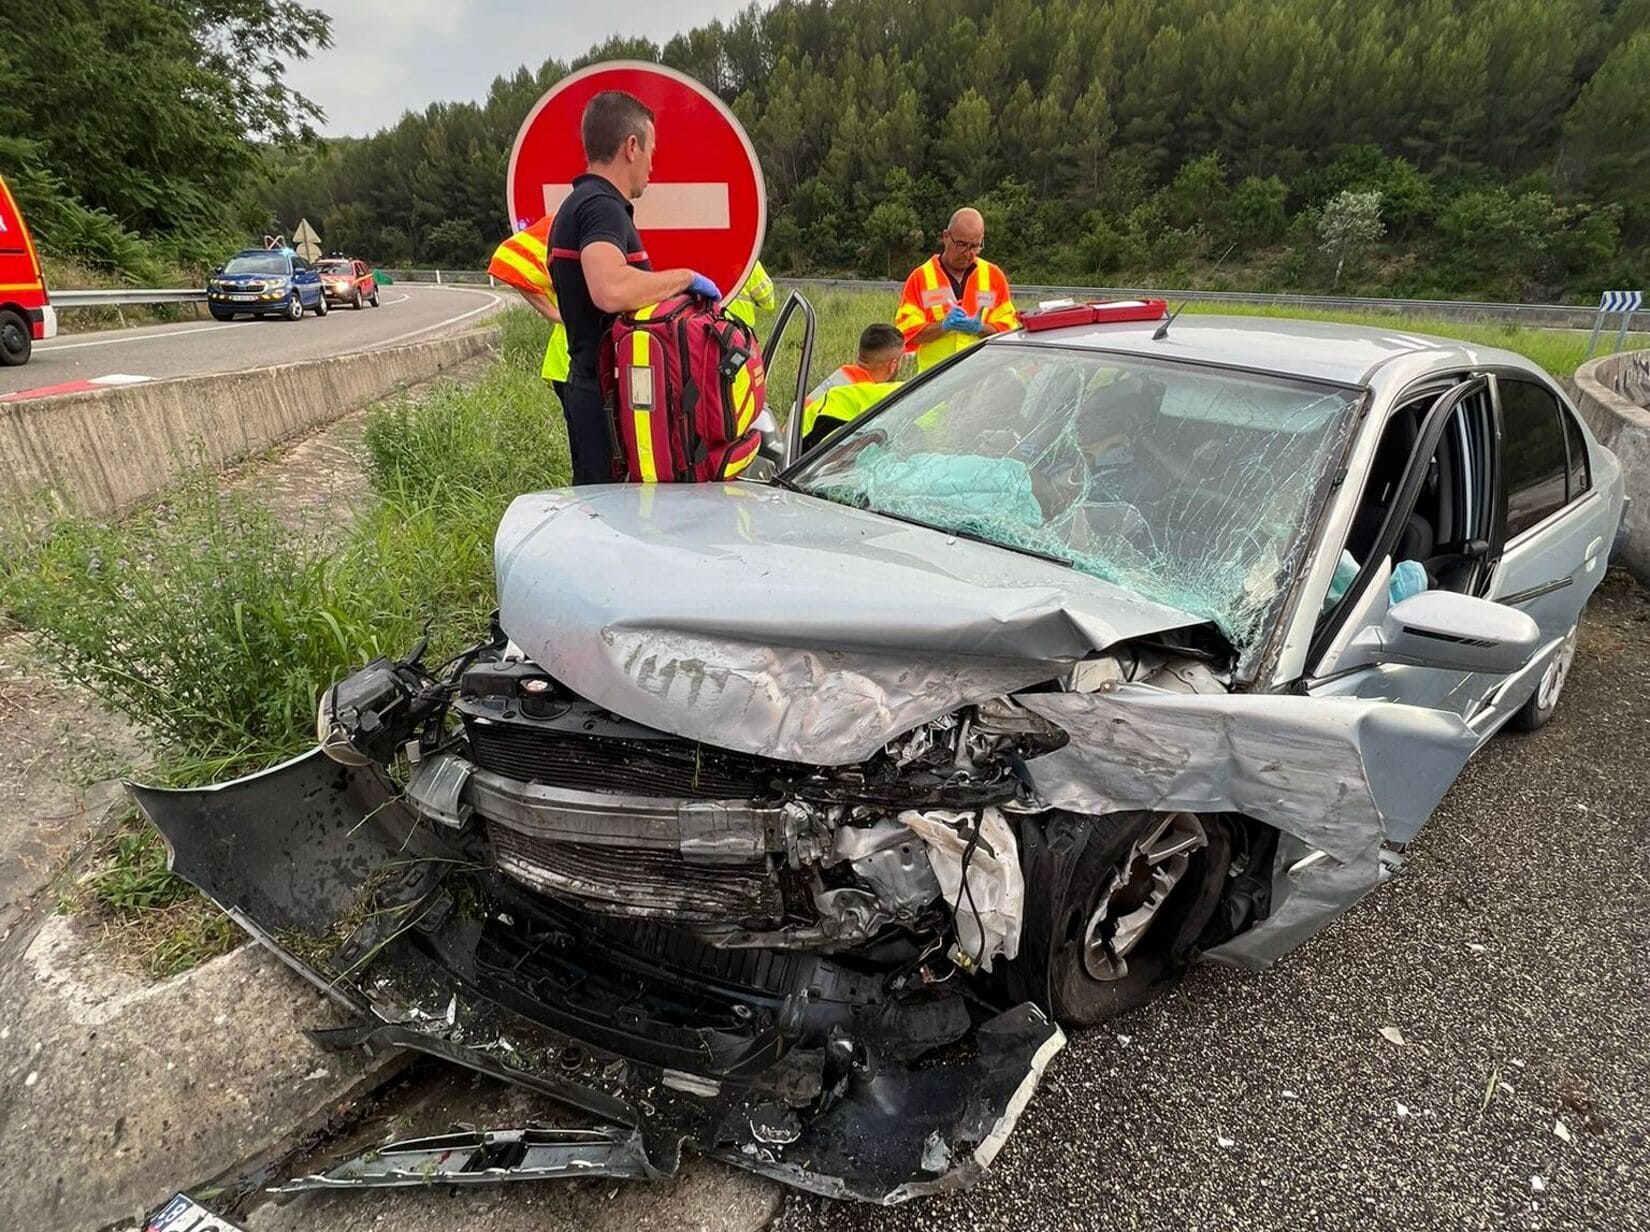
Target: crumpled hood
(770, 622)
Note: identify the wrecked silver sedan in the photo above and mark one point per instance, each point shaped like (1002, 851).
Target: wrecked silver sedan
(790, 822)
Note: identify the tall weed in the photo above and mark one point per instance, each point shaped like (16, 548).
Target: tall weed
(214, 627)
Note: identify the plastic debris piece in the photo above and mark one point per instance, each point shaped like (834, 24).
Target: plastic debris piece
(1563, 1131)
(1476, 948)
(1537, 1185)
(1225, 1143)
(1393, 1036)
(1402, 1110)
(1518, 1063)
(1124, 1039)
(1290, 1095)
(452, 1010)
(936, 1153)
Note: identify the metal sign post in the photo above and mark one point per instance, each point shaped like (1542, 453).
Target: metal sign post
(1621, 338)
(1624, 302)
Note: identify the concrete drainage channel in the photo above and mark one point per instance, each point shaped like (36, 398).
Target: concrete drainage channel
(1612, 394)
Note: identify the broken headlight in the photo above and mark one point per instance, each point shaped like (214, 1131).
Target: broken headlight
(371, 713)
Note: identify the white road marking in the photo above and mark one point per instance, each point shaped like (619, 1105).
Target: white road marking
(667, 207)
(493, 301)
(173, 333)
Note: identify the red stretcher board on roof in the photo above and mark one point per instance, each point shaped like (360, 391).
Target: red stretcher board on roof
(1098, 312)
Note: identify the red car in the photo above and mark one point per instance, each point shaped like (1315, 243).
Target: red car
(25, 312)
(348, 281)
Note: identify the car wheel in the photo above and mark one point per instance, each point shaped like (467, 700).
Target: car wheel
(1114, 905)
(356, 302)
(16, 345)
(374, 300)
(295, 310)
(221, 314)
(1543, 702)
(321, 306)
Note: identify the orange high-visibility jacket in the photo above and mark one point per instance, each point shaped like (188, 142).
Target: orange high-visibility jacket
(523, 261)
(927, 297)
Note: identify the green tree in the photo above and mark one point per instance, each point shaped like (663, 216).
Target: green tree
(1257, 210)
(967, 143)
(893, 234)
(149, 109)
(1606, 130)
(1349, 227)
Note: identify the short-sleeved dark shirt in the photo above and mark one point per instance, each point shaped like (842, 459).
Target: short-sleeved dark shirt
(595, 212)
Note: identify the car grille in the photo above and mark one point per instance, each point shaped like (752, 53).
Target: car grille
(632, 767)
(631, 881)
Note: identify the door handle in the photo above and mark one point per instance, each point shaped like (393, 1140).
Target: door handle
(1593, 548)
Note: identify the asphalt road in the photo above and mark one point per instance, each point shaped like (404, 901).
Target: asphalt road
(407, 313)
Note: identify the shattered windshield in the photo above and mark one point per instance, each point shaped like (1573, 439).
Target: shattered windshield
(1189, 485)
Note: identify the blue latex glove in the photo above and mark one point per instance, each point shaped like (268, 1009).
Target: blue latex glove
(962, 323)
(704, 287)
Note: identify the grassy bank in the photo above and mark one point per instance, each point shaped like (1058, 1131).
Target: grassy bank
(214, 627)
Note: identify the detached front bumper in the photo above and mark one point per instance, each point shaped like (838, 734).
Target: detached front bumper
(414, 930)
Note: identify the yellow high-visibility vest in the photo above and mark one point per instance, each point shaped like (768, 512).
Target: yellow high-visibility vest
(756, 293)
(843, 397)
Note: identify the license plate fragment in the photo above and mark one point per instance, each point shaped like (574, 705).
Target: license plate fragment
(184, 1214)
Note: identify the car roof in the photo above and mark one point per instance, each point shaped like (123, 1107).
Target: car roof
(262, 252)
(1354, 355)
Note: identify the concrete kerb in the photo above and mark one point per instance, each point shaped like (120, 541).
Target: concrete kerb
(1612, 394)
(99, 453)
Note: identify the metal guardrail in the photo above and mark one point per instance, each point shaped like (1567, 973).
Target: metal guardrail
(119, 297)
(1573, 316)
(442, 277)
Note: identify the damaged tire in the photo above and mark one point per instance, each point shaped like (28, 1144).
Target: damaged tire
(1534, 713)
(1126, 897)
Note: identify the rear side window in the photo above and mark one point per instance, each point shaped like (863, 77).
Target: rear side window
(1535, 459)
(1580, 480)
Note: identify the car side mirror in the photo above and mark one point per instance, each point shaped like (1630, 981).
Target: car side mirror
(216, 270)
(1459, 633)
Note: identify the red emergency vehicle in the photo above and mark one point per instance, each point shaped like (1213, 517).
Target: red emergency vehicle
(25, 312)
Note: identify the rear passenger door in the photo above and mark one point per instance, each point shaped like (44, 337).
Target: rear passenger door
(1557, 540)
(1555, 545)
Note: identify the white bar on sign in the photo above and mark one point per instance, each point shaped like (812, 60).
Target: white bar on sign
(667, 207)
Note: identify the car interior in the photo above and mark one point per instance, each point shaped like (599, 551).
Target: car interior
(1447, 529)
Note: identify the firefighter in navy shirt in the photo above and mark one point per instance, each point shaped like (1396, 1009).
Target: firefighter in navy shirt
(599, 267)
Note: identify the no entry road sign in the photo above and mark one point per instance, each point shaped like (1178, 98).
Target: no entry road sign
(705, 207)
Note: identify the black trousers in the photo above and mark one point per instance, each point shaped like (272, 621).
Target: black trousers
(589, 438)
